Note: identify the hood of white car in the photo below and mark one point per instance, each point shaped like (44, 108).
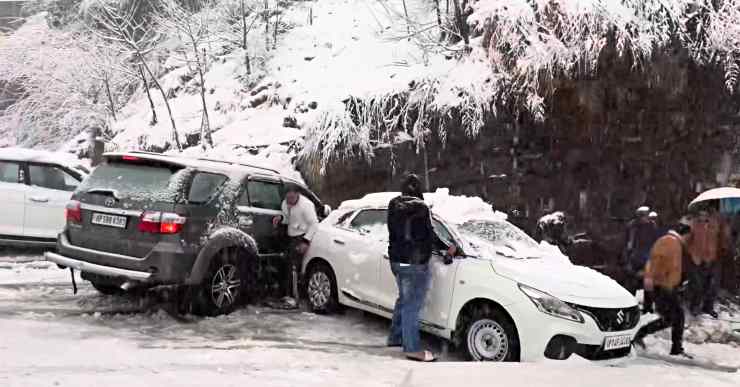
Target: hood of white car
(548, 270)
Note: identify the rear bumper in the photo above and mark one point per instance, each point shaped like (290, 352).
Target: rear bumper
(97, 269)
(168, 263)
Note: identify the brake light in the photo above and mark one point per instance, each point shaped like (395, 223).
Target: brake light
(73, 212)
(130, 158)
(157, 222)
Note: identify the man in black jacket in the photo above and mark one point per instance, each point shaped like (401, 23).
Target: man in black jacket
(411, 242)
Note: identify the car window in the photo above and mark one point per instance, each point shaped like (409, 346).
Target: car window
(443, 233)
(372, 223)
(52, 177)
(264, 195)
(205, 186)
(9, 172)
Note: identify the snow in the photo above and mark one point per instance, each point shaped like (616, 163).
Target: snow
(455, 209)
(52, 337)
(60, 158)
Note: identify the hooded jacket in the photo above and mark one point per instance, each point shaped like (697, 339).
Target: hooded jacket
(411, 234)
(667, 260)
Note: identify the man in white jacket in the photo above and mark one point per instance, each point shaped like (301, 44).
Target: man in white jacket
(299, 215)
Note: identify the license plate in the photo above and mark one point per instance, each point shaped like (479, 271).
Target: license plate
(616, 342)
(109, 220)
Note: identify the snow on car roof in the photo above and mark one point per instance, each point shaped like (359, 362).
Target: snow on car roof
(456, 209)
(34, 155)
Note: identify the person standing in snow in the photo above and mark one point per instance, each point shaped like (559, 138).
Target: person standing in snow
(709, 243)
(299, 215)
(411, 242)
(665, 273)
(641, 234)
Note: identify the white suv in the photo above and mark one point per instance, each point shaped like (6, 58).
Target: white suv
(507, 298)
(35, 187)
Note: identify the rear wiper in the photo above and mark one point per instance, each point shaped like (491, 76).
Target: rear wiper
(105, 191)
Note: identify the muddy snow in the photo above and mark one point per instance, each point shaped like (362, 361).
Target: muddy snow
(52, 337)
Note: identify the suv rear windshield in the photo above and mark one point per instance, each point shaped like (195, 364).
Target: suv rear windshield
(134, 181)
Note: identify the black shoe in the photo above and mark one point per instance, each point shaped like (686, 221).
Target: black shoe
(681, 353)
(638, 343)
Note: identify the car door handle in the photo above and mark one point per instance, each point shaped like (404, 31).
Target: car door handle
(38, 199)
(339, 242)
(385, 256)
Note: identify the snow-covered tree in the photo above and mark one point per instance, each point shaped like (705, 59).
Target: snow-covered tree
(119, 22)
(66, 83)
(193, 30)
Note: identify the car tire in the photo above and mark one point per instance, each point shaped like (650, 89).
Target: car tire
(107, 289)
(321, 289)
(490, 336)
(223, 287)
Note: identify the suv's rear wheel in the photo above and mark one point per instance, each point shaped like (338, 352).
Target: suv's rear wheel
(321, 288)
(222, 288)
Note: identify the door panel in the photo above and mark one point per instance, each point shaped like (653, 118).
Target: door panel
(366, 244)
(48, 194)
(258, 204)
(13, 198)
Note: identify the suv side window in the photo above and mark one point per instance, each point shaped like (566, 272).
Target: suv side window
(371, 222)
(263, 194)
(204, 187)
(51, 177)
(9, 172)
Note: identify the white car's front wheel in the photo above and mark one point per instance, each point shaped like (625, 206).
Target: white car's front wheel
(489, 336)
(321, 288)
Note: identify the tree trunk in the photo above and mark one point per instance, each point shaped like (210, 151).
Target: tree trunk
(175, 136)
(149, 96)
(112, 106)
(461, 26)
(205, 126)
(408, 22)
(267, 25)
(275, 31)
(247, 63)
(439, 21)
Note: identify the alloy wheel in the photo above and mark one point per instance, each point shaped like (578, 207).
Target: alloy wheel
(319, 289)
(225, 286)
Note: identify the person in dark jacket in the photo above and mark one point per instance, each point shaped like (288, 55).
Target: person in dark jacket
(665, 274)
(411, 242)
(641, 234)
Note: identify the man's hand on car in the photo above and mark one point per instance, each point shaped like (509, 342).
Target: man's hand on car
(450, 254)
(276, 220)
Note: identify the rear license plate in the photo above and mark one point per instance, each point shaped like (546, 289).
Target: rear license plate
(109, 220)
(616, 342)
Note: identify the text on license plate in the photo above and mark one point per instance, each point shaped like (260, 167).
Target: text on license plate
(109, 220)
(616, 342)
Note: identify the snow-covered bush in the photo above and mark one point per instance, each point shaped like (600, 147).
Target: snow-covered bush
(533, 42)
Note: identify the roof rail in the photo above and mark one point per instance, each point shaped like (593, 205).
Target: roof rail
(239, 163)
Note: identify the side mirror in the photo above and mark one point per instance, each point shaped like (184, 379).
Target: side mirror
(327, 210)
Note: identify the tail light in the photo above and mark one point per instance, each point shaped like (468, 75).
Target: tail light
(157, 222)
(73, 212)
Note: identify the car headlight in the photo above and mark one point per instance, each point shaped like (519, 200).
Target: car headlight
(553, 306)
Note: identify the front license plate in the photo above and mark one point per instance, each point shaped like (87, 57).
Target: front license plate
(109, 220)
(616, 342)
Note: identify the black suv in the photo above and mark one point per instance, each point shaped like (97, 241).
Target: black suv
(142, 220)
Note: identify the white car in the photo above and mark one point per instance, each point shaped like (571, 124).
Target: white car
(35, 187)
(507, 298)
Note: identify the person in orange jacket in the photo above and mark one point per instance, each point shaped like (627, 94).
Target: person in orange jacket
(709, 242)
(665, 274)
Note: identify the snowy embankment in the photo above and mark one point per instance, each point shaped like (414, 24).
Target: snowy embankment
(350, 49)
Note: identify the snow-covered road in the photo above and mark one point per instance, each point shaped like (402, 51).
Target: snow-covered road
(51, 337)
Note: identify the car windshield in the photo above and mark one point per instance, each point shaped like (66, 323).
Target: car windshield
(498, 233)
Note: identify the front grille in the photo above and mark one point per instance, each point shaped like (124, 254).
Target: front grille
(613, 319)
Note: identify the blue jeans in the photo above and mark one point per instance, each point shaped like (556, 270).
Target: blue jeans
(413, 283)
